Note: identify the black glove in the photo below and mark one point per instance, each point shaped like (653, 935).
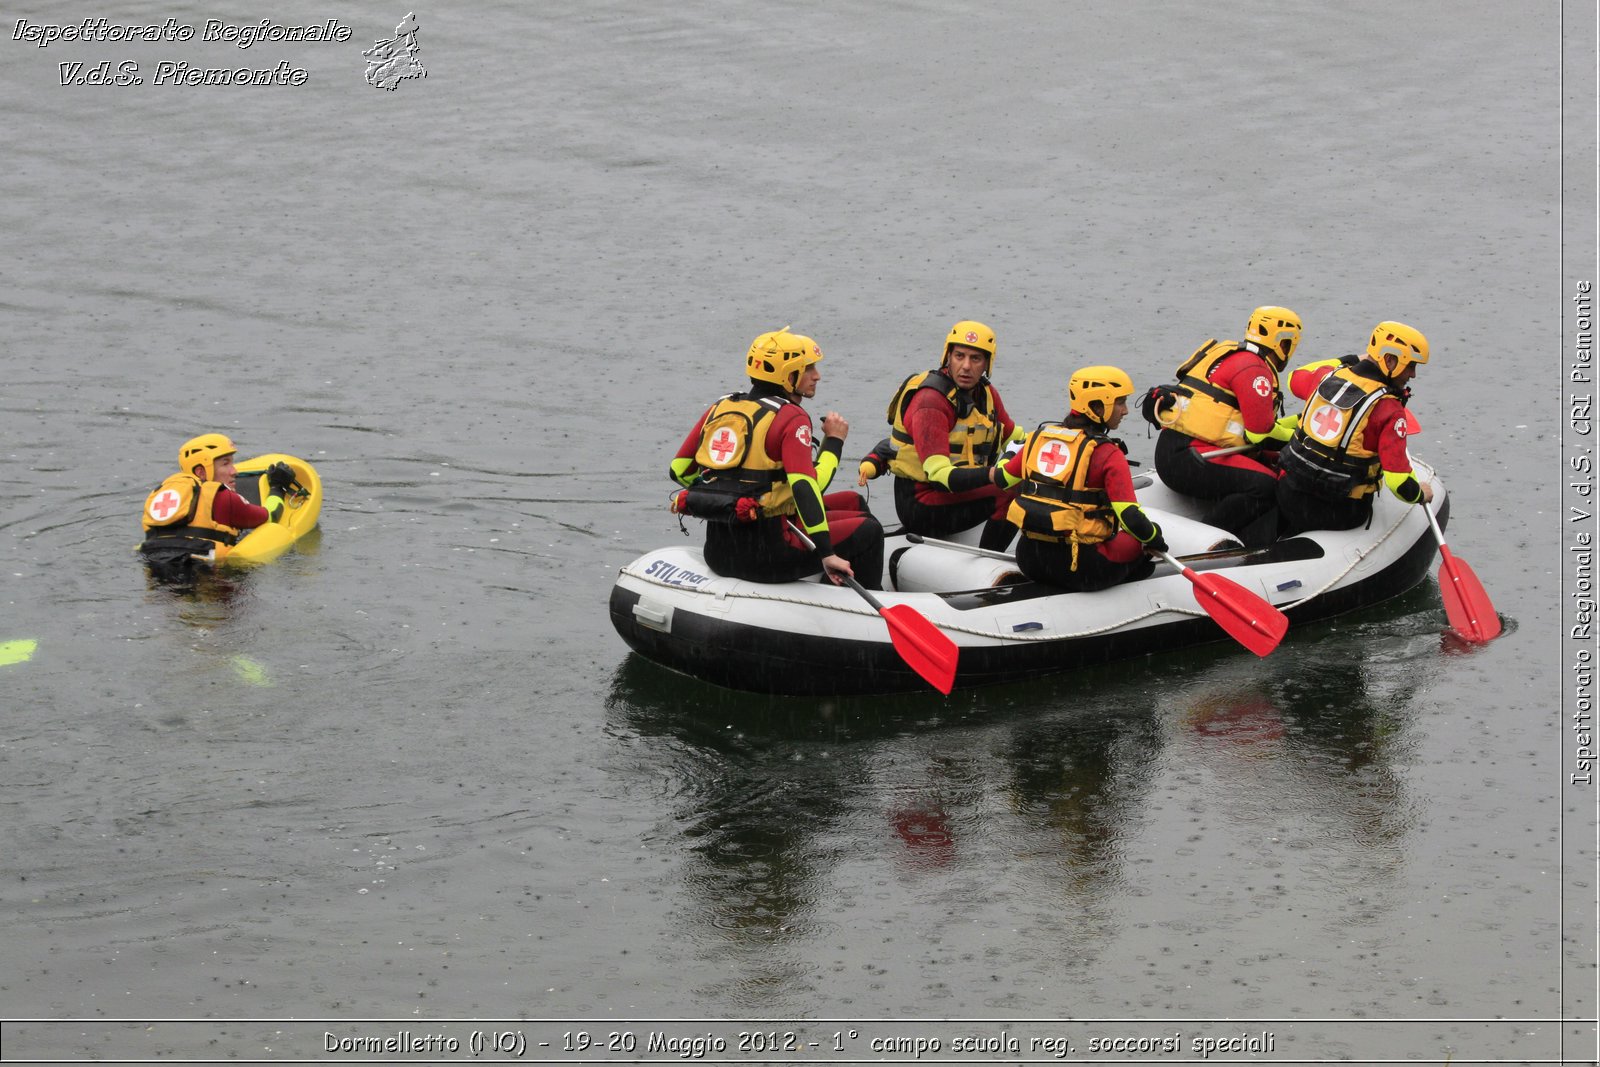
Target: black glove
(280, 476)
(1157, 543)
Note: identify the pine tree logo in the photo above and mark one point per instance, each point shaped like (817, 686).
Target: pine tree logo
(393, 61)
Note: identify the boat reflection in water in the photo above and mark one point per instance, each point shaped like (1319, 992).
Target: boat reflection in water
(1075, 817)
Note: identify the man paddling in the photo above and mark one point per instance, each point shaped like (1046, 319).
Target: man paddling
(1352, 436)
(197, 514)
(747, 467)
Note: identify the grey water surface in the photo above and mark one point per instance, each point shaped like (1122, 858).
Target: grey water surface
(489, 302)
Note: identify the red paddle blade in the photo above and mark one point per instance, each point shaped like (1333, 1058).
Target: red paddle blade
(1466, 605)
(1247, 618)
(925, 648)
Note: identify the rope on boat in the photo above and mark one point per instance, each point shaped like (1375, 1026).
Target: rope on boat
(859, 609)
(856, 609)
(1361, 555)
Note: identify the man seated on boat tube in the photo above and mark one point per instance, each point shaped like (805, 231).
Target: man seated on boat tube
(946, 420)
(1352, 436)
(1082, 526)
(1228, 395)
(749, 469)
(197, 514)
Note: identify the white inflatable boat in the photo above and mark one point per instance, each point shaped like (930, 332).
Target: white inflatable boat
(813, 637)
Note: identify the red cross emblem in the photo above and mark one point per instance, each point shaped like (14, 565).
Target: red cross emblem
(1052, 459)
(164, 504)
(723, 445)
(1327, 421)
(972, 337)
(1262, 387)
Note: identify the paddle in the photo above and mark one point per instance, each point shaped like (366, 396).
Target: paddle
(1466, 605)
(922, 645)
(1246, 617)
(988, 553)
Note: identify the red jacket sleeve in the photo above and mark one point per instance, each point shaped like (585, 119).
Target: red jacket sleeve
(1386, 435)
(1249, 379)
(1108, 469)
(1303, 382)
(929, 420)
(691, 444)
(789, 441)
(231, 509)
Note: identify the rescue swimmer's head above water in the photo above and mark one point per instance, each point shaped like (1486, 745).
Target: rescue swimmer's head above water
(203, 456)
(197, 513)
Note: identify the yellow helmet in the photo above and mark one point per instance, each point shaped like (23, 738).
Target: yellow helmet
(1397, 339)
(775, 356)
(1276, 330)
(1104, 384)
(204, 451)
(973, 335)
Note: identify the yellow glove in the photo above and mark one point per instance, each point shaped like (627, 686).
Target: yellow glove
(1282, 430)
(682, 473)
(1405, 486)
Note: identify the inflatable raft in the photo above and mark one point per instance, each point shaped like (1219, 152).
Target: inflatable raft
(815, 638)
(302, 506)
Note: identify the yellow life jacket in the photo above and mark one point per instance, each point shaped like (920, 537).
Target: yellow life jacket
(733, 459)
(1055, 502)
(974, 439)
(1204, 410)
(180, 507)
(1327, 457)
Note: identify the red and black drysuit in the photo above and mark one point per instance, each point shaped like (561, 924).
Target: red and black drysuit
(1243, 487)
(750, 544)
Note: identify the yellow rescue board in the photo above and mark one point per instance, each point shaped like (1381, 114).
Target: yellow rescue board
(301, 506)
